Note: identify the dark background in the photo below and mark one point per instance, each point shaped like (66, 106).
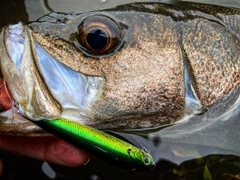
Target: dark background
(20, 168)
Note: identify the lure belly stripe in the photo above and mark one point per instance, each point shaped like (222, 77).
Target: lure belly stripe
(99, 144)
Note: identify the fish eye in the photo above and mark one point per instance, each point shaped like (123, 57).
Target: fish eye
(99, 35)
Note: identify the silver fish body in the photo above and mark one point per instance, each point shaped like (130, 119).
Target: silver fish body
(168, 62)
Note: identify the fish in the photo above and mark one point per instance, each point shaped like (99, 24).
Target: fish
(136, 66)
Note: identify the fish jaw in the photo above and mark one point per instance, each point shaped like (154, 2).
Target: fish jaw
(28, 88)
(42, 87)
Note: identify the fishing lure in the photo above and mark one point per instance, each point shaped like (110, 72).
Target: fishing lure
(99, 143)
(93, 141)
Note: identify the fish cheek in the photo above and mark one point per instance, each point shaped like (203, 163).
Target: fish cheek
(142, 82)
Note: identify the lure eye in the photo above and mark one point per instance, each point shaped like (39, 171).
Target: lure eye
(146, 160)
(99, 35)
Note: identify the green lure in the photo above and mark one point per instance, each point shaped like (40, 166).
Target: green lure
(98, 143)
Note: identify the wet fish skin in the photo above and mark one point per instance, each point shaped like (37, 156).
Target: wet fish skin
(144, 79)
(124, 97)
(181, 33)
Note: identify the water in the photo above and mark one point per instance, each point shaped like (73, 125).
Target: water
(187, 157)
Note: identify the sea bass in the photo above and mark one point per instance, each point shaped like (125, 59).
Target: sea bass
(139, 65)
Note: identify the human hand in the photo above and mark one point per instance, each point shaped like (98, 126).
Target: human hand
(50, 148)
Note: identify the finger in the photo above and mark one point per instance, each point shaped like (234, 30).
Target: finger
(51, 149)
(5, 96)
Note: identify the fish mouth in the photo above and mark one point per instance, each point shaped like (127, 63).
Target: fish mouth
(43, 87)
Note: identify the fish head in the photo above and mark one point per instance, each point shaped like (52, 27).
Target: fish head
(98, 67)
(138, 65)
(118, 67)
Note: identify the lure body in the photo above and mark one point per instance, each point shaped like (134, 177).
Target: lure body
(99, 143)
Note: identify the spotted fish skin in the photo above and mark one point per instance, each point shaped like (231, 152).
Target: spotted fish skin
(173, 60)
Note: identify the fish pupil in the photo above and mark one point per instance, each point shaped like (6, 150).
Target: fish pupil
(97, 39)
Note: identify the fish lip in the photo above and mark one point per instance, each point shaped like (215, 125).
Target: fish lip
(13, 124)
(21, 74)
(94, 85)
